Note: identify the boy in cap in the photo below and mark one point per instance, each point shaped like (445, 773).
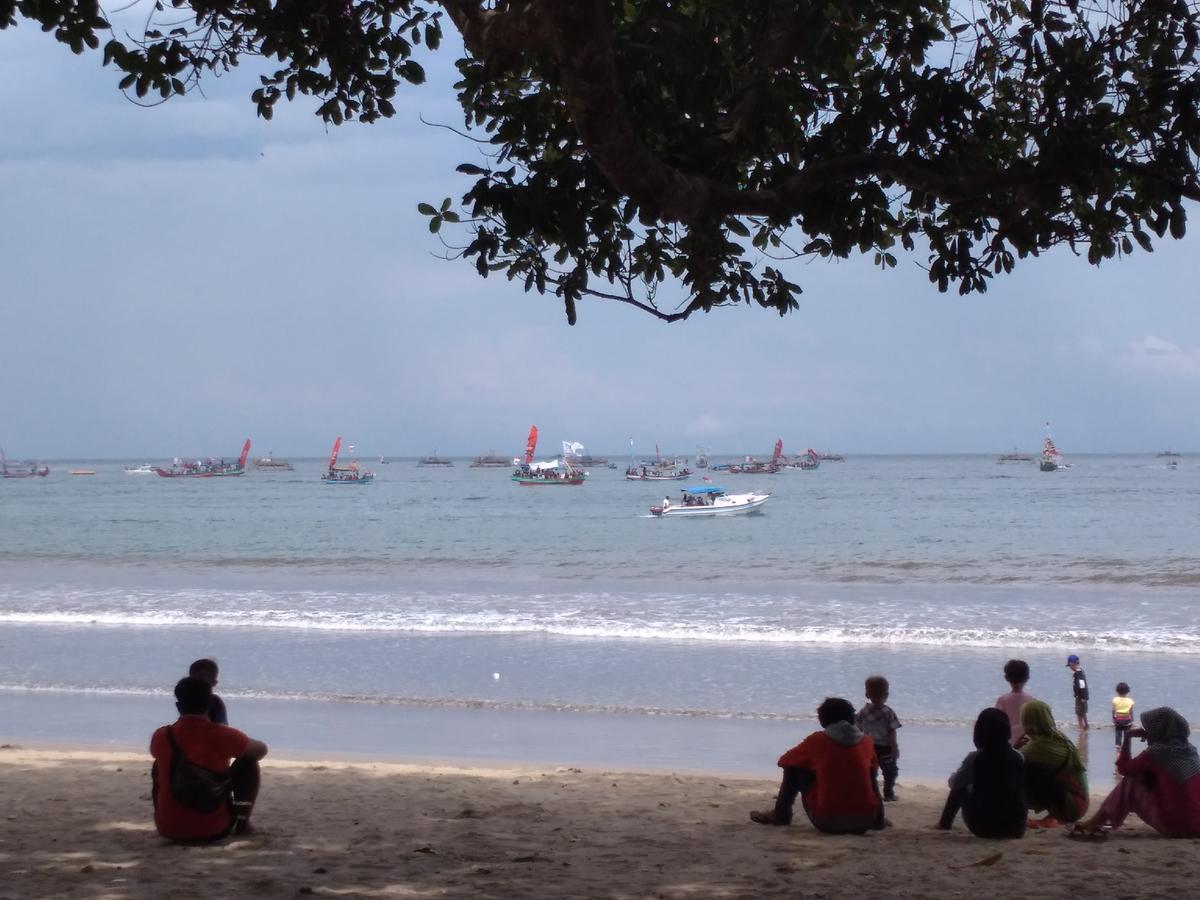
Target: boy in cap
(1079, 687)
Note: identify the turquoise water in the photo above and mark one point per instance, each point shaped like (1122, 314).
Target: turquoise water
(415, 592)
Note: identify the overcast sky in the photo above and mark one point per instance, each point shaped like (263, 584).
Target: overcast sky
(175, 279)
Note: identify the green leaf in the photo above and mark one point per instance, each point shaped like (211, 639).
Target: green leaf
(426, 210)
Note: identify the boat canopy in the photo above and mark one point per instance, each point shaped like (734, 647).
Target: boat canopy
(543, 466)
(707, 489)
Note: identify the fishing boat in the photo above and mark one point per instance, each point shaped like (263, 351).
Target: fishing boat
(207, 468)
(1168, 453)
(269, 462)
(434, 460)
(709, 501)
(588, 461)
(347, 474)
(1052, 459)
(23, 469)
(828, 456)
(657, 469)
(808, 461)
(81, 471)
(701, 457)
(143, 469)
(552, 472)
(1014, 457)
(752, 466)
(491, 461)
(383, 460)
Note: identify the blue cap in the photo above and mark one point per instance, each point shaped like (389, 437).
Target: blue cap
(1072, 659)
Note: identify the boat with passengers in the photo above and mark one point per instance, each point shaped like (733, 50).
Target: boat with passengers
(710, 501)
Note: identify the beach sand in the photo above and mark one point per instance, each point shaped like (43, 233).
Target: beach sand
(77, 823)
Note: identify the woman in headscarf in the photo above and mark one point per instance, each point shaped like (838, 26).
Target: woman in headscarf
(1161, 784)
(1055, 777)
(989, 786)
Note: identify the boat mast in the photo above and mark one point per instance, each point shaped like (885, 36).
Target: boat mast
(531, 444)
(337, 446)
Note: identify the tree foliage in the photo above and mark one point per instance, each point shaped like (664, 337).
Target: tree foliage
(628, 145)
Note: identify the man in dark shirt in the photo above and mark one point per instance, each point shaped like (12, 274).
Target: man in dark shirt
(206, 670)
(1079, 687)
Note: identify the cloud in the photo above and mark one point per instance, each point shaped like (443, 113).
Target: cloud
(1162, 357)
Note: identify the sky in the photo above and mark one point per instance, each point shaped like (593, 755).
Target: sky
(178, 278)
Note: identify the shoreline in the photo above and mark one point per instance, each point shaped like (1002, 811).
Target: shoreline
(79, 823)
(483, 737)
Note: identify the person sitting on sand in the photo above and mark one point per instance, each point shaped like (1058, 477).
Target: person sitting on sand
(197, 794)
(1161, 784)
(206, 670)
(832, 770)
(1055, 777)
(989, 786)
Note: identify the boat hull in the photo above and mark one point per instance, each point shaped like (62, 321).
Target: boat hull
(680, 477)
(366, 479)
(540, 482)
(729, 505)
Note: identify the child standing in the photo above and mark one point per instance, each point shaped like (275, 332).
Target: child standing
(1016, 673)
(1122, 712)
(1079, 688)
(878, 722)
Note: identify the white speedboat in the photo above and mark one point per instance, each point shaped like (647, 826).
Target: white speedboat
(710, 501)
(143, 469)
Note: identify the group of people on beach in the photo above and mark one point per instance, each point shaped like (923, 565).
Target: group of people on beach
(1022, 763)
(205, 778)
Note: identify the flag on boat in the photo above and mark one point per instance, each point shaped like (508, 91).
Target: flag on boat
(572, 448)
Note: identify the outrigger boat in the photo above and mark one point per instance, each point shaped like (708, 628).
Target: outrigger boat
(555, 471)
(434, 460)
(491, 461)
(829, 456)
(710, 501)
(752, 466)
(1015, 456)
(270, 462)
(207, 468)
(23, 469)
(143, 469)
(810, 460)
(657, 469)
(350, 474)
(1052, 458)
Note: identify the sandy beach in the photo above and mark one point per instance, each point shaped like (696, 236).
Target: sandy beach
(78, 823)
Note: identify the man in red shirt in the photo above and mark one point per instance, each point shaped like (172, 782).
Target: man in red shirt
(203, 743)
(833, 770)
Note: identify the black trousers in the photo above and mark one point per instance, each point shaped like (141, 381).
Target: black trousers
(797, 782)
(982, 821)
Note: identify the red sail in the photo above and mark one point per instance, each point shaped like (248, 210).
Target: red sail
(531, 444)
(337, 446)
(245, 453)
(778, 451)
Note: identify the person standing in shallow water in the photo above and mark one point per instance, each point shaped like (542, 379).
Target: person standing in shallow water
(1079, 688)
(206, 670)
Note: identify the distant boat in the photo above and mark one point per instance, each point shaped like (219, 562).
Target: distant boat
(23, 469)
(81, 471)
(752, 466)
(1052, 458)
(709, 501)
(586, 461)
(1168, 453)
(491, 461)
(1015, 457)
(270, 462)
(434, 460)
(830, 457)
(349, 474)
(701, 458)
(143, 469)
(207, 468)
(553, 472)
(808, 460)
(383, 461)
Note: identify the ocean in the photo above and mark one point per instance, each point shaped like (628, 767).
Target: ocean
(448, 613)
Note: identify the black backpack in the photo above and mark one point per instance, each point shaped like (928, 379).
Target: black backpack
(193, 786)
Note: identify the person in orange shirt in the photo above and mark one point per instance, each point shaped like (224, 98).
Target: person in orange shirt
(198, 795)
(832, 771)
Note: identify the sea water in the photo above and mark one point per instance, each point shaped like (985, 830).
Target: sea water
(412, 615)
